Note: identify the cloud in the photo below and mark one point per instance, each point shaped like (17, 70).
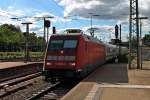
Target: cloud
(107, 9)
(37, 26)
(117, 10)
(7, 14)
(10, 13)
(10, 7)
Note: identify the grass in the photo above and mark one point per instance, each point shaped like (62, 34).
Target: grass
(18, 55)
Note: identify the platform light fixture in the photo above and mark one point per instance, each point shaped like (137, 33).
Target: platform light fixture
(140, 40)
(26, 41)
(91, 17)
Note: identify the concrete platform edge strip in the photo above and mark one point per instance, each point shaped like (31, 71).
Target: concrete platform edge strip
(71, 91)
(9, 65)
(125, 86)
(96, 91)
(94, 94)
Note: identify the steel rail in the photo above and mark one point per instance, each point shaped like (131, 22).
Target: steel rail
(18, 80)
(43, 92)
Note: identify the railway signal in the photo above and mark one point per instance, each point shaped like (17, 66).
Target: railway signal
(47, 23)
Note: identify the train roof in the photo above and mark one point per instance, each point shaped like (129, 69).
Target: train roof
(110, 45)
(85, 36)
(70, 32)
(79, 32)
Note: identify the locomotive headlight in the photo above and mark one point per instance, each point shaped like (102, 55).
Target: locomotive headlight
(48, 63)
(72, 64)
(79, 70)
(61, 51)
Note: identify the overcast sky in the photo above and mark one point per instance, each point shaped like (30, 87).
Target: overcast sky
(77, 13)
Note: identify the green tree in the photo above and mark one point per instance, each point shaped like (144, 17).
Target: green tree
(40, 40)
(12, 37)
(32, 39)
(9, 34)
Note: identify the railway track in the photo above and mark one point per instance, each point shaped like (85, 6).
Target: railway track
(15, 77)
(53, 92)
(8, 87)
(19, 71)
(23, 88)
(45, 92)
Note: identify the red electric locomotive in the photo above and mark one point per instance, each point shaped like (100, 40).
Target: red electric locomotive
(74, 55)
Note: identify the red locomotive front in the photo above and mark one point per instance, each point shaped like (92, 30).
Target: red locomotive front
(61, 53)
(61, 56)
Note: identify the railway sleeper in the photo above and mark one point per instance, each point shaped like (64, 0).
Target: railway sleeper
(12, 89)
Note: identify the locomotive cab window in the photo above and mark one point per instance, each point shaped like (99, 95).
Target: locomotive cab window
(62, 44)
(55, 45)
(70, 44)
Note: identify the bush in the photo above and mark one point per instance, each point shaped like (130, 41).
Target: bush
(18, 55)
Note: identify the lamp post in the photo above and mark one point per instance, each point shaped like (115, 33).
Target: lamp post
(26, 41)
(140, 19)
(139, 41)
(26, 52)
(120, 41)
(91, 17)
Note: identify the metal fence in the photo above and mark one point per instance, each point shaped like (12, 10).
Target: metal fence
(13, 52)
(19, 48)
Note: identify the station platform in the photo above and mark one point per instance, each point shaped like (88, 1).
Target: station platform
(9, 70)
(4, 65)
(114, 82)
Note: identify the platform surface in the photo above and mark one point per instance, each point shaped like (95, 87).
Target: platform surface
(4, 65)
(114, 82)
